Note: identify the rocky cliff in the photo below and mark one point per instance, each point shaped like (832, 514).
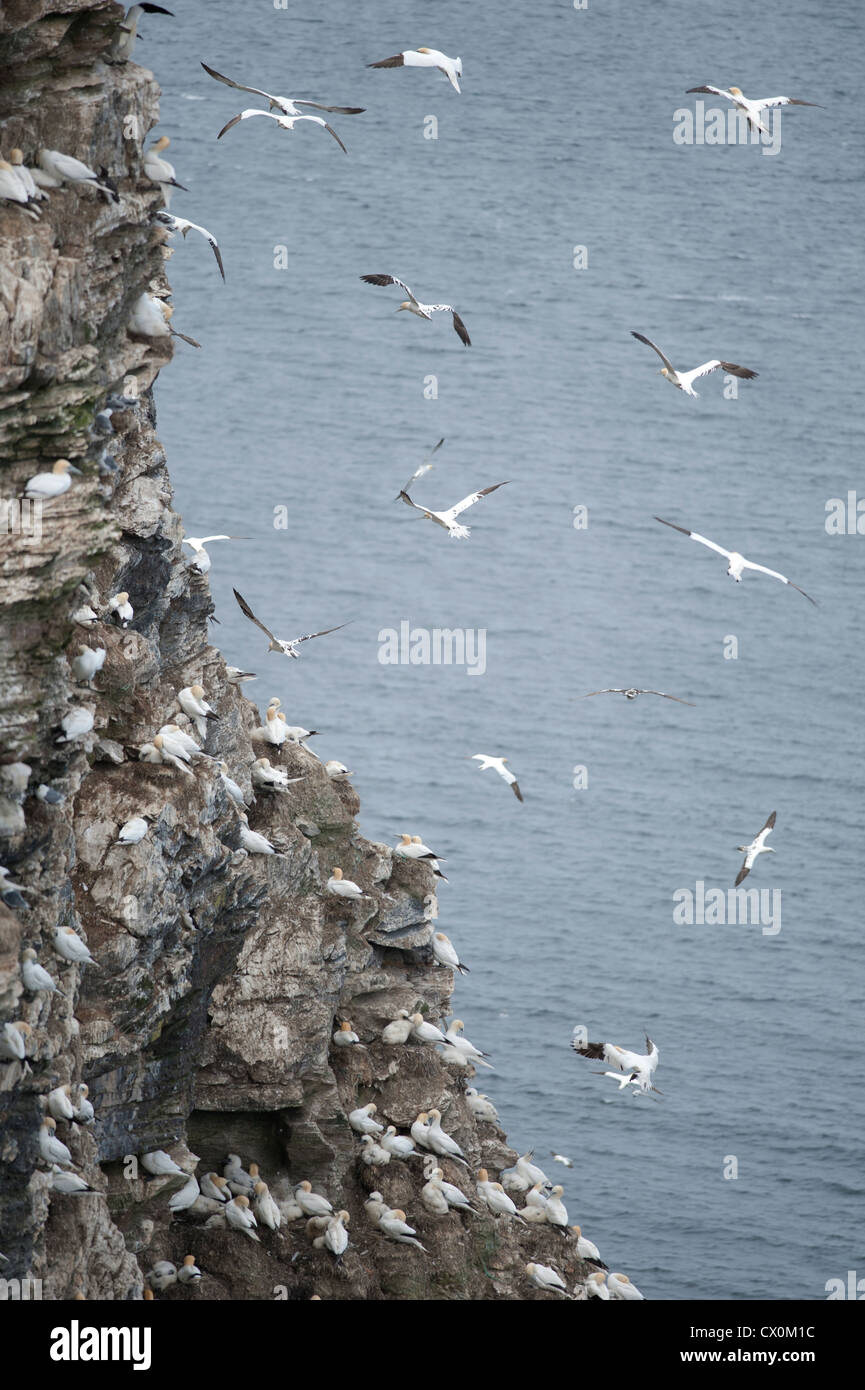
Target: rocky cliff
(206, 1025)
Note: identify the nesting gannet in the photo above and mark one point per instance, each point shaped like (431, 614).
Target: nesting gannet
(546, 1278)
(192, 702)
(76, 724)
(185, 1197)
(399, 1029)
(398, 1145)
(498, 765)
(51, 1148)
(67, 1183)
(149, 318)
(85, 616)
(284, 122)
(16, 159)
(183, 225)
(454, 1196)
(480, 1105)
(12, 190)
(238, 1215)
(362, 1122)
(344, 1036)
(159, 170)
(632, 693)
(412, 847)
(423, 311)
(13, 1040)
(374, 1206)
(252, 841)
(637, 1065)
(235, 791)
(424, 468)
(266, 776)
(420, 1129)
(133, 831)
(53, 484)
(445, 953)
(161, 1165)
(596, 1286)
(685, 380)
(84, 1112)
(439, 1141)
(372, 1154)
(738, 563)
(127, 31)
(121, 609)
(179, 744)
(277, 644)
(426, 1032)
(266, 1209)
(556, 1210)
(343, 887)
(757, 846)
(59, 1103)
(201, 561)
(160, 752)
(65, 169)
(311, 1203)
(273, 730)
(35, 976)
(188, 1271)
(337, 771)
(752, 108)
(621, 1287)
(586, 1249)
(493, 1195)
(393, 1225)
(425, 58)
(287, 105)
(335, 1235)
(295, 733)
(162, 1275)
(432, 1196)
(215, 1187)
(447, 519)
(237, 677)
(68, 944)
(88, 661)
(536, 1197)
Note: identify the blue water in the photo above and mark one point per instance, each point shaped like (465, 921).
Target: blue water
(309, 394)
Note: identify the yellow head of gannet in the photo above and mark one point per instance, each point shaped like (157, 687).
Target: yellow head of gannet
(346, 1027)
(483, 1175)
(405, 839)
(337, 874)
(121, 598)
(241, 1201)
(736, 92)
(161, 144)
(189, 1259)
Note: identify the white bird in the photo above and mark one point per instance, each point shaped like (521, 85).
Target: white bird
(188, 1271)
(50, 1148)
(127, 31)
(493, 1195)
(498, 765)
(446, 955)
(266, 776)
(266, 1209)
(183, 225)
(65, 169)
(432, 1196)
(752, 108)
(295, 733)
(426, 1032)
(85, 616)
(76, 724)
(631, 693)
(311, 1203)
(362, 1122)
(425, 58)
(53, 484)
(456, 1040)
(160, 1164)
(372, 1153)
(84, 1112)
(240, 1183)
(345, 1036)
(68, 944)
(738, 563)
(35, 976)
(531, 1170)
(13, 190)
(287, 105)
(337, 771)
(481, 1107)
(399, 1029)
(424, 468)
(277, 644)
(273, 730)
(149, 318)
(596, 1286)
(133, 831)
(177, 743)
(439, 1141)
(121, 609)
(397, 1145)
(635, 1064)
(192, 702)
(392, 1223)
(546, 1278)
(252, 841)
(59, 1104)
(685, 380)
(159, 170)
(34, 192)
(162, 1275)
(232, 787)
(159, 751)
(586, 1249)
(454, 1196)
(425, 311)
(335, 1235)
(238, 677)
(201, 560)
(343, 887)
(88, 661)
(563, 1159)
(6, 884)
(447, 519)
(185, 1196)
(556, 1210)
(67, 1183)
(284, 122)
(537, 1198)
(238, 1214)
(374, 1206)
(621, 1287)
(420, 1130)
(214, 1187)
(757, 846)
(13, 1040)
(412, 847)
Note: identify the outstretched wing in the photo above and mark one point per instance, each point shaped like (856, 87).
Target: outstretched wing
(783, 101)
(334, 110)
(424, 467)
(770, 824)
(668, 697)
(397, 61)
(405, 497)
(388, 280)
(245, 115)
(238, 86)
(706, 368)
(695, 536)
(470, 500)
(744, 372)
(325, 630)
(743, 872)
(460, 329)
(596, 1051)
(749, 565)
(612, 691)
(716, 91)
(654, 346)
(248, 613)
(208, 237)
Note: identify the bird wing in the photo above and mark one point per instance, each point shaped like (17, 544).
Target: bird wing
(324, 631)
(460, 329)
(248, 613)
(405, 497)
(782, 101)
(156, 9)
(238, 86)
(327, 127)
(717, 91)
(254, 111)
(397, 61)
(654, 346)
(334, 110)
(214, 246)
(205, 540)
(695, 536)
(388, 280)
(176, 334)
(603, 692)
(471, 499)
(594, 1050)
(515, 787)
(668, 697)
(743, 872)
(706, 368)
(734, 370)
(770, 824)
(414, 58)
(424, 467)
(749, 565)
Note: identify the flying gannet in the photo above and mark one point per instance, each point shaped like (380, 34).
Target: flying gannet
(201, 560)
(738, 563)
(498, 764)
(757, 846)
(423, 311)
(419, 472)
(53, 484)
(284, 122)
(425, 58)
(127, 31)
(277, 644)
(182, 225)
(752, 109)
(684, 380)
(448, 519)
(632, 693)
(635, 1064)
(288, 106)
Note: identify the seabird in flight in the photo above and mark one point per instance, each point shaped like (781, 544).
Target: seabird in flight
(448, 519)
(752, 109)
(684, 380)
(276, 643)
(425, 58)
(499, 765)
(423, 311)
(757, 846)
(738, 563)
(182, 225)
(632, 693)
(634, 1063)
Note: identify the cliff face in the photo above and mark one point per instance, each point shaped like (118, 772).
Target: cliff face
(207, 1025)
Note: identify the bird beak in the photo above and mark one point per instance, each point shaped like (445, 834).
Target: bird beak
(73, 469)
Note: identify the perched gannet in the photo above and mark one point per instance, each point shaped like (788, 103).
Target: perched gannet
(238, 677)
(215, 1187)
(232, 787)
(149, 318)
(456, 1039)
(76, 724)
(284, 122)
(425, 311)
(533, 1214)
(53, 484)
(273, 730)
(638, 1066)
(160, 752)
(133, 831)
(35, 976)
(537, 1198)
(393, 1225)
(201, 560)
(424, 468)
(481, 1107)
(6, 884)
(757, 846)
(586, 1249)
(311, 1203)
(452, 1057)
(531, 1170)
(16, 159)
(277, 644)
(192, 702)
(374, 1206)
(439, 1141)
(498, 764)
(426, 1032)
(446, 955)
(13, 190)
(121, 609)
(183, 225)
(188, 1271)
(425, 58)
(454, 1196)
(85, 616)
(596, 1286)
(127, 31)
(88, 661)
(546, 1278)
(65, 169)
(59, 1103)
(337, 771)
(412, 847)
(752, 108)
(420, 1129)
(84, 1112)
(160, 1164)
(13, 1040)
(344, 1036)
(399, 1030)
(295, 733)
(343, 887)
(632, 693)
(162, 1275)
(621, 1287)
(158, 170)
(286, 105)
(266, 1209)
(493, 1195)
(684, 380)
(398, 1145)
(738, 563)
(179, 744)
(335, 1235)
(186, 1195)
(447, 519)
(68, 944)
(362, 1122)
(67, 1183)
(50, 1148)
(238, 1215)
(372, 1154)
(268, 777)
(432, 1196)
(556, 1210)
(252, 841)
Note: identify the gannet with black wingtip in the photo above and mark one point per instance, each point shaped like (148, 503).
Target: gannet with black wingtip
(180, 1200)
(546, 1278)
(6, 884)
(240, 1217)
(412, 847)
(149, 318)
(343, 887)
(374, 1206)
(621, 1287)
(557, 1214)
(192, 702)
(586, 1249)
(454, 1196)
(127, 31)
(563, 1159)
(252, 841)
(756, 847)
(311, 1203)
(445, 953)
(425, 58)
(440, 1142)
(284, 122)
(392, 1223)
(31, 187)
(183, 225)
(422, 470)
(426, 1032)
(456, 1039)
(344, 1036)
(752, 108)
(287, 105)
(159, 170)
(59, 1104)
(337, 771)
(235, 791)
(480, 1105)
(493, 1195)
(632, 693)
(432, 1196)
(84, 1112)
(65, 169)
(266, 1209)
(596, 1286)
(426, 311)
(397, 1145)
(684, 380)
(277, 644)
(13, 190)
(238, 677)
(161, 1165)
(34, 975)
(49, 485)
(13, 1040)
(634, 1064)
(51, 1148)
(738, 563)
(399, 1029)
(362, 1122)
(68, 944)
(68, 1183)
(498, 765)
(268, 777)
(188, 1271)
(201, 560)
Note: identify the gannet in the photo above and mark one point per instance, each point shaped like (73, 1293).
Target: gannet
(238, 677)
(393, 1225)
(159, 752)
(757, 846)
(432, 1196)
(215, 1187)
(76, 724)
(398, 1145)
(337, 771)
(344, 1036)
(634, 1063)
(84, 1112)
(493, 1195)
(596, 1286)
(51, 1148)
(439, 1141)
(535, 1215)
(284, 122)
(238, 1215)
(448, 519)
(53, 484)
(343, 887)
(35, 976)
(13, 1040)
(311, 1203)
(372, 1153)
(536, 1197)
(202, 562)
(456, 1039)
(185, 1197)
(265, 775)
(295, 733)
(454, 1196)
(420, 1129)
(586, 1249)
(162, 1275)
(235, 791)
(68, 944)
(546, 1278)
(266, 1209)
(563, 1159)
(85, 616)
(158, 170)
(252, 841)
(6, 884)
(632, 693)
(481, 1107)
(424, 311)
(59, 1104)
(445, 953)
(684, 380)
(362, 1122)
(188, 1271)
(183, 225)
(240, 1183)
(412, 847)
(16, 159)
(336, 1236)
(752, 109)
(127, 31)
(133, 831)
(12, 189)
(374, 1206)
(68, 170)
(556, 1210)
(149, 318)
(621, 1287)
(179, 744)
(738, 563)
(426, 1032)
(121, 609)
(273, 730)
(67, 1183)
(425, 58)
(399, 1029)
(192, 702)
(423, 469)
(88, 661)
(161, 1165)
(498, 765)
(287, 105)
(277, 644)
(452, 1057)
